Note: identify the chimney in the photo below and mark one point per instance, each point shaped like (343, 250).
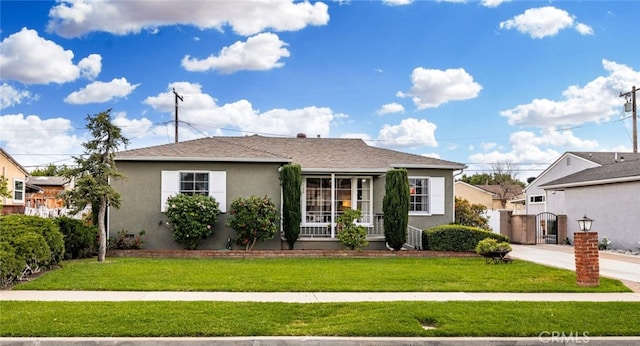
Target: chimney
(301, 135)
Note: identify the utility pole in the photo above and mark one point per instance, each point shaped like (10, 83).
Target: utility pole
(181, 99)
(634, 114)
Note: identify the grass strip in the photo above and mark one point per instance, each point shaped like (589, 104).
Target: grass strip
(401, 319)
(312, 275)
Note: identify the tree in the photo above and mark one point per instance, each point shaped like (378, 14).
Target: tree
(51, 171)
(93, 172)
(291, 179)
(253, 219)
(395, 206)
(4, 188)
(504, 175)
(468, 214)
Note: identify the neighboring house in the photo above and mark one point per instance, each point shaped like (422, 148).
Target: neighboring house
(538, 200)
(16, 176)
(50, 189)
(610, 195)
(336, 174)
(489, 195)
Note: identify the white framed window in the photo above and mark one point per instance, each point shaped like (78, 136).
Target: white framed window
(427, 195)
(323, 198)
(536, 199)
(208, 183)
(18, 190)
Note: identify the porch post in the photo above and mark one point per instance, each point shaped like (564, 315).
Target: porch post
(333, 205)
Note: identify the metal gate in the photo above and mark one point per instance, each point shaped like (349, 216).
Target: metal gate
(546, 228)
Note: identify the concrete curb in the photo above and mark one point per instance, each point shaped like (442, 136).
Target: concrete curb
(544, 339)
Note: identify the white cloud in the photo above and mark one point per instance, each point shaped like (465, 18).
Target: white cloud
(98, 92)
(132, 128)
(202, 111)
(28, 58)
(10, 96)
(397, 2)
(90, 66)
(72, 18)
(32, 138)
(493, 3)
(596, 101)
(409, 133)
(431, 88)
(390, 108)
(488, 146)
(544, 21)
(259, 52)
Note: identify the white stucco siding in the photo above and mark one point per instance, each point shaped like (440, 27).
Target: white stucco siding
(614, 207)
(566, 165)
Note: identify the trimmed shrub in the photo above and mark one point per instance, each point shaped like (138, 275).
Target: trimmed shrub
(193, 218)
(47, 228)
(350, 234)
(32, 248)
(291, 179)
(11, 266)
(253, 219)
(80, 238)
(487, 245)
(395, 206)
(456, 238)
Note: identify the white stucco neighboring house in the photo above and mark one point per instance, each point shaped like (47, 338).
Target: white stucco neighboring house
(539, 200)
(610, 195)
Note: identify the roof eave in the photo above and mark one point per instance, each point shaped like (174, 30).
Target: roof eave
(203, 159)
(590, 183)
(428, 166)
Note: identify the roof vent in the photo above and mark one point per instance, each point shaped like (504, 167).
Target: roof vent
(301, 135)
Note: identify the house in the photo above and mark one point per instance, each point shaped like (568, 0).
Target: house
(610, 195)
(48, 194)
(489, 195)
(336, 174)
(16, 176)
(539, 200)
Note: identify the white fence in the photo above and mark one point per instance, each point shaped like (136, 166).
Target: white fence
(55, 212)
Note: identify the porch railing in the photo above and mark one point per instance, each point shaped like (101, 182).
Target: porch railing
(375, 229)
(414, 238)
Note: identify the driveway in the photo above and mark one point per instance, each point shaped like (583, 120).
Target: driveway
(612, 265)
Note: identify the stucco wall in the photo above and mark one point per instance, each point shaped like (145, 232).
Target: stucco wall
(475, 195)
(614, 207)
(140, 209)
(11, 172)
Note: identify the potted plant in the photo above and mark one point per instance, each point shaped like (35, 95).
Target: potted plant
(494, 251)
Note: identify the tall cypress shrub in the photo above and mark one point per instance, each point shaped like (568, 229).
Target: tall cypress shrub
(291, 180)
(395, 207)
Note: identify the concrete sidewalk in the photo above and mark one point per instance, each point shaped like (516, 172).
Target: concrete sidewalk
(310, 297)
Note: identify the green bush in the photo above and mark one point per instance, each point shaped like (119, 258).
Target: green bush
(11, 266)
(47, 228)
(126, 241)
(350, 234)
(253, 219)
(395, 206)
(192, 217)
(80, 238)
(492, 245)
(32, 248)
(456, 238)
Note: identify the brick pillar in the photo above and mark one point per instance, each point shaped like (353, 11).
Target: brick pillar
(587, 263)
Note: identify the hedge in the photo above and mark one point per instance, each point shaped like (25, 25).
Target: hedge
(456, 238)
(47, 228)
(80, 239)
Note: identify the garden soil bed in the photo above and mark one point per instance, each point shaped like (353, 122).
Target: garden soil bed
(284, 253)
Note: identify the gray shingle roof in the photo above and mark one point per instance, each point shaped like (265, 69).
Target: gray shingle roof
(311, 153)
(606, 157)
(628, 170)
(47, 181)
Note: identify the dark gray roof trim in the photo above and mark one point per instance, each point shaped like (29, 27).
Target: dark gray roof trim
(608, 174)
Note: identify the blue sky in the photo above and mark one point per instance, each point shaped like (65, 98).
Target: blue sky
(476, 82)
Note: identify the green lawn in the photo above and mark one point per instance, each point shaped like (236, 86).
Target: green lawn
(312, 275)
(50, 319)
